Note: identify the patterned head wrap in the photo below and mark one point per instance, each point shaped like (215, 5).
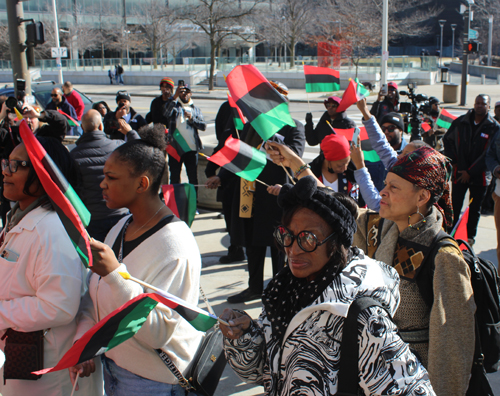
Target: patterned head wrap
(430, 170)
(280, 87)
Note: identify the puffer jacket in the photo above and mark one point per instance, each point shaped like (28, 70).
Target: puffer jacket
(306, 362)
(91, 152)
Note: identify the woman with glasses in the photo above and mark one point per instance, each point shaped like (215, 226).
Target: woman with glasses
(293, 348)
(41, 276)
(436, 314)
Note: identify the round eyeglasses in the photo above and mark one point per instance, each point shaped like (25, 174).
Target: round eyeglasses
(13, 164)
(306, 240)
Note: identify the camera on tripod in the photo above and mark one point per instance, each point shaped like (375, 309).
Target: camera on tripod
(414, 110)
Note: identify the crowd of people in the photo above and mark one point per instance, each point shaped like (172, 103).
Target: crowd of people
(337, 229)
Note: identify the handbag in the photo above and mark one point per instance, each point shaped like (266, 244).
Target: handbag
(207, 365)
(23, 354)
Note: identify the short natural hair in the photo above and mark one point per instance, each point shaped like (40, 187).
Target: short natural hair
(68, 84)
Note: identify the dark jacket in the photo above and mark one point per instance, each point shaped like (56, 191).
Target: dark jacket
(380, 109)
(346, 181)
(111, 124)
(196, 122)
(91, 152)
(65, 107)
(160, 110)
(466, 145)
(258, 230)
(56, 125)
(314, 136)
(224, 127)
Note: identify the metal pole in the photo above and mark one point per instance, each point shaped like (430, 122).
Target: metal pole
(56, 28)
(490, 36)
(465, 56)
(453, 27)
(441, 24)
(385, 52)
(17, 48)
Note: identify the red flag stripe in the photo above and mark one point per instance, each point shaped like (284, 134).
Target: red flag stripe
(169, 196)
(228, 155)
(243, 79)
(320, 70)
(233, 104)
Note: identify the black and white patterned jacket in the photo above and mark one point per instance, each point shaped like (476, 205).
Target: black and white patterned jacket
(307, 361)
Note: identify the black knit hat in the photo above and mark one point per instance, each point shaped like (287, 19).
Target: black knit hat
(306, 194)
(122, 95)
(394, 119)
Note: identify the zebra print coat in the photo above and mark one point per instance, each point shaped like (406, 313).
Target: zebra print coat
(307, 360)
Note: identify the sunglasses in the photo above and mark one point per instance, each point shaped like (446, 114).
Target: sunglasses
(306, 240)
(54, 95)
(390, 128)
(13, 164)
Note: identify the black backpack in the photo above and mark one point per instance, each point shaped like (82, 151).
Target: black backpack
(120, 69)
(485, 284)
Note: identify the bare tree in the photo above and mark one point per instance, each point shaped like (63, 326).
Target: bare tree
(157, 25)
(289, 23)
(219, 19)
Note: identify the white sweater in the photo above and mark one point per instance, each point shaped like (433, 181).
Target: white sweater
(170, 260)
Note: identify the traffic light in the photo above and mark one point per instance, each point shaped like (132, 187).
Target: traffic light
(35, 34)
(472, 47)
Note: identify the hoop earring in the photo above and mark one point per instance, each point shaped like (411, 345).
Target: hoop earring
(419, 213)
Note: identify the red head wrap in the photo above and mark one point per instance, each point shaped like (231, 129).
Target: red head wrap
(430, 170)
(335, 147)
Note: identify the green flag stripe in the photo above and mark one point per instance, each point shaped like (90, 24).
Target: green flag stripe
(202, 322)
(322, 87)
(254, 167)
(443, 124)
(82, 255)
(132, 322)
(191, 194)
(371, 156)
(181, 141)
(78, 205)
(238, 124)
(267, 124)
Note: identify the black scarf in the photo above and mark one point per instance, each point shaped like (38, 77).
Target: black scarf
(286, 295)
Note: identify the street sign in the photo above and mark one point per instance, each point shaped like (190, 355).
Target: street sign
(59, 52)
(473, 34)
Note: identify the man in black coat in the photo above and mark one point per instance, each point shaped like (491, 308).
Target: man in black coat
(162, 106)
(336, 119)
(256, 233)
(224, 127)
(113, 121)
(90, 154)
(466, 143)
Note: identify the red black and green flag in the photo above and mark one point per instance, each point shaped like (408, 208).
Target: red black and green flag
(354, 93)
(240, 158)
(181, 199)
(321, 79)
(68, 205)
(445, 119)
(369, 153)
(71, 121)
(238, 118)
(123, 323)
(177, 145)
(265, 109)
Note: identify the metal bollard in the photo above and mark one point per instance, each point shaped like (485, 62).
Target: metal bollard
(498, 78)
(483, 79)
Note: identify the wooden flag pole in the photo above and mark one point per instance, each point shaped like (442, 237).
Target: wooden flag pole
(286, 170)
(74, 385)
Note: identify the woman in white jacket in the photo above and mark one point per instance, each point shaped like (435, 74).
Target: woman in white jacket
(40, 272)
(152, 245)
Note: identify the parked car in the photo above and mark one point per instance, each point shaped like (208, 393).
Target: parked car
(41, 91)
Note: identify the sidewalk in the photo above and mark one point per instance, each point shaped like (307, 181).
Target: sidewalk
(296, 95)
(220, 281)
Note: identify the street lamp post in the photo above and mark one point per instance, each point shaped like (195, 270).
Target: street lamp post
(453, 27)
(441, 23)
(465, 55)
(56, 30)
(490, 36)
(385, 52)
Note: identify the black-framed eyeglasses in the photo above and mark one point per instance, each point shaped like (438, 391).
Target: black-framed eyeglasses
(13, 165)
(306, 240)
(390, 128)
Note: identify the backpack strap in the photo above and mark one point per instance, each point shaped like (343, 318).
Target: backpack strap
(424, 280)
(348, 376)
